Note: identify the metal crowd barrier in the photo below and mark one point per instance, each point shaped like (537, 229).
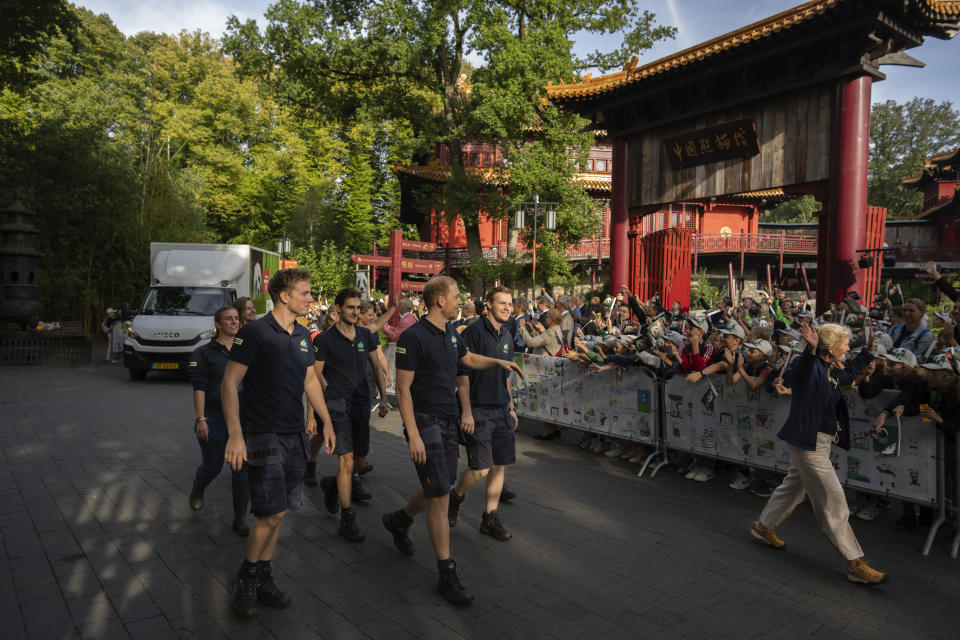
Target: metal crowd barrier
(736, 425)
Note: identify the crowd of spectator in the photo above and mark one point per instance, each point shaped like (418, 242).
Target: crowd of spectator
(753, 341)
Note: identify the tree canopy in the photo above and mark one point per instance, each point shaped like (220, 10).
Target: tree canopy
(902, 139)
(406, 63)
(118, 141)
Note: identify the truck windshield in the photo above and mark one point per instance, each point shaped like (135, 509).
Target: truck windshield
(183, 301)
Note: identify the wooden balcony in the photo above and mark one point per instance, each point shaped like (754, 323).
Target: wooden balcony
(755, 243)
(586, 250)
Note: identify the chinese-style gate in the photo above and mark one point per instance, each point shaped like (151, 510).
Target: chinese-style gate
(397, 264)
(784, 102)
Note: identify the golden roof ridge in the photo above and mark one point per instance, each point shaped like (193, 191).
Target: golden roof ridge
(631, 73)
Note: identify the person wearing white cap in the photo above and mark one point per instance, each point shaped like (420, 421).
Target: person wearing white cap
(755, 368)
(732, 335)
(697, 353)
(935, 399)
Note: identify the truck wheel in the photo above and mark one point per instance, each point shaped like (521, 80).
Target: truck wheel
(137, 374)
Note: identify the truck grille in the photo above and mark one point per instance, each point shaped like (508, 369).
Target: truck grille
(168, 343)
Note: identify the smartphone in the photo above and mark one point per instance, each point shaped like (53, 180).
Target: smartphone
(922, 407)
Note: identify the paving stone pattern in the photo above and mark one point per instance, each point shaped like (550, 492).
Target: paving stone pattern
(97, 541)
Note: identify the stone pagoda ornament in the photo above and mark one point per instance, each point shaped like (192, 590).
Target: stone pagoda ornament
(19, 286)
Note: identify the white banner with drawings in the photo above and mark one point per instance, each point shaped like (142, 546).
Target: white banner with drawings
(621, 403)
(741, 425)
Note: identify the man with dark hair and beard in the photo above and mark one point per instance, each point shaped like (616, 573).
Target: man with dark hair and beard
(344, 347)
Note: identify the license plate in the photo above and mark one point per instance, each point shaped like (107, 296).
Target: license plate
(166, 365)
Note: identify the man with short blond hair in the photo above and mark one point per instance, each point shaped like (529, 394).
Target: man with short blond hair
(273, 358)
(487, 416)
(428, 354)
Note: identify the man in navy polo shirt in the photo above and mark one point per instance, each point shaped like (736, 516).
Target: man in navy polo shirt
(487, 416)
(340, 354)
(428, 354)
(274, 359)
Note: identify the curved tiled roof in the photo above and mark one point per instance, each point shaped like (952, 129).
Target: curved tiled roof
(630, 74)
(761, 194)
(937, 162)
(945, 7)
(438, 173)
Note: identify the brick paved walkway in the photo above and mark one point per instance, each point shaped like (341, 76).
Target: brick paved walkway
(97, 541)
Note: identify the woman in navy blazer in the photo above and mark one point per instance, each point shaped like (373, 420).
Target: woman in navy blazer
(818, 418)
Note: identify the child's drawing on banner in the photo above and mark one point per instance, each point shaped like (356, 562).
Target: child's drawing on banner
(643, 401)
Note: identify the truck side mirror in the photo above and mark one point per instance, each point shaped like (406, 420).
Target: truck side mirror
(125, 312)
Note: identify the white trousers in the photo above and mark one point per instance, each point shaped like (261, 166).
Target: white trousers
(811, 472)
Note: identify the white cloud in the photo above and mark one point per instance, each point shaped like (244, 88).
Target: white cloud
(170, 16)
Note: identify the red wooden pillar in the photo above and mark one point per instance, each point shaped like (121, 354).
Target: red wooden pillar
(396, 254)
(619, 221)
(837, 269)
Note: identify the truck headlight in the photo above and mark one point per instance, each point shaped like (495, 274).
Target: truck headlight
(132, 334)
(207, 335)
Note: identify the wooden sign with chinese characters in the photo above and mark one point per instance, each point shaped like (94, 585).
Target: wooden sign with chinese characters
(737, 139)
(413, 265)
(792, 133)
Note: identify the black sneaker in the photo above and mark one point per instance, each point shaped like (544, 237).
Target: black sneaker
(907, 522)
(331, 497)
(267, 591)
(245, 594)
(358, 492)
(349, 529)
(506, 495)
(491, 525)
(196, 496)
(398, 524)
(453, 507)
(365, 469)
(448, 583)
(310, 475)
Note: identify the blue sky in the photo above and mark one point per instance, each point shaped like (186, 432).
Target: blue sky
(696, 20)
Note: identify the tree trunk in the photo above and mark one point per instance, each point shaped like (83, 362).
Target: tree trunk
(476, 255)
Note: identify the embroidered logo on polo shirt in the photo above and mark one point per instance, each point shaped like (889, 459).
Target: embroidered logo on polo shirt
(238, 341)
(193, 364)
(505, 348)
(303, 346)
(360, 346)
(453, 339)
(401, 350)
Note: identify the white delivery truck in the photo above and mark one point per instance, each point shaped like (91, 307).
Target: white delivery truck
(189, 282)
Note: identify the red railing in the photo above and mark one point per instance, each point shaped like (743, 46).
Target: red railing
(754, 243)
(586, 250)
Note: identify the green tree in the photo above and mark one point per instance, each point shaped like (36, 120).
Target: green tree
(796, 210)
(123, 141)
(404, 62)
(26, 29)
(330, 268)
(902, 139)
